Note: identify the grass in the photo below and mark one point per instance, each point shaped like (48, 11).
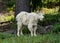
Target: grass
(47, 38)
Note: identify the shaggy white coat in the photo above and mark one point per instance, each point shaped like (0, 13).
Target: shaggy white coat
(29, 19)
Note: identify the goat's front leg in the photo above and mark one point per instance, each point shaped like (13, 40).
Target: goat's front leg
(35, 28)
(30, 29)
(21, 32)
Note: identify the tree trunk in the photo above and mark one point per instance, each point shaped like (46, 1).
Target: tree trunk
(1, 6)
(22, 5)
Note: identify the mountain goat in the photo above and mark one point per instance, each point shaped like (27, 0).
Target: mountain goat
(29, 19)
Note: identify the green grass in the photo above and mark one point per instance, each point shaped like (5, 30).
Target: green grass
(47, 38)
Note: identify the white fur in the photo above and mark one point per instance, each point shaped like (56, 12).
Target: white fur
(29, 19)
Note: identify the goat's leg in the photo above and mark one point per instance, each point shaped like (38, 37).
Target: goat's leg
(30, 29)
(19, 30)
(35, 28)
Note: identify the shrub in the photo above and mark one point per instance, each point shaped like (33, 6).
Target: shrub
(50, 19)
(56, 28)
(53, 20)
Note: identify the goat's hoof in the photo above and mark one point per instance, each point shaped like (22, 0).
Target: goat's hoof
(31, 35)
(35, 35)
(18, 35)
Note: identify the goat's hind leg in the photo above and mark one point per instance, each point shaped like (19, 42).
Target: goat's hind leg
(19, 30)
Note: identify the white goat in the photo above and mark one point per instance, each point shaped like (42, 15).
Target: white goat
(29, 19)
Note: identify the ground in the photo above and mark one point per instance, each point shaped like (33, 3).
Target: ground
(46, 38)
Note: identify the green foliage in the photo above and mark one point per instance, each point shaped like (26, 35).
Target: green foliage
(6, 17)
(9, 3)
(53, 20)
(50, 19)
(25, 30)
(35, 4)
(44, 3)
(9, 9)
(56, 28)
(50, 3)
